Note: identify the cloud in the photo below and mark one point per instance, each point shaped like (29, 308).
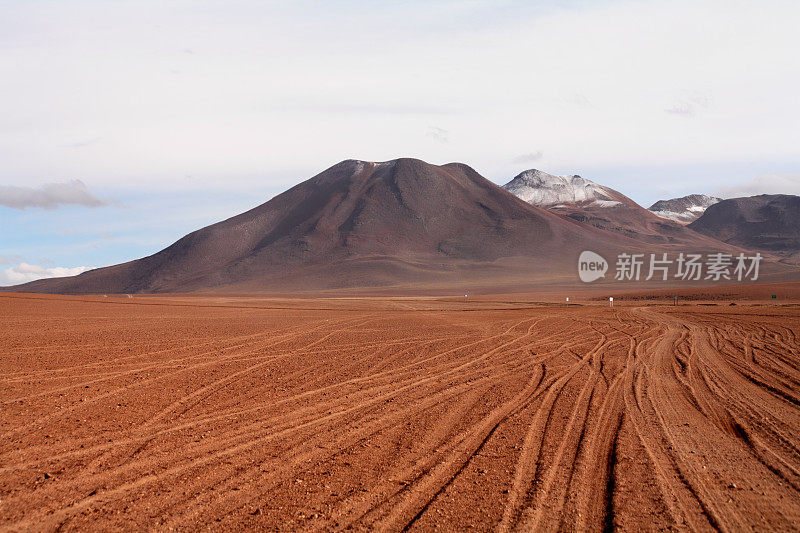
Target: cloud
(703, 100)
(70, 232)
(366, 107)
(576, 100)
(594, 99)
(82, 144)
(766, 184)
(688, 107)
(529, 158)
(7, 260)
(49, 196)
(25, 272)
(682, 109)
(438, 134)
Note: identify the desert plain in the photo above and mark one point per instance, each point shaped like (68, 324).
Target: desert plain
(389, 413)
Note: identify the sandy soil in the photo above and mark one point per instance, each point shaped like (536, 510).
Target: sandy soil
(230, 413)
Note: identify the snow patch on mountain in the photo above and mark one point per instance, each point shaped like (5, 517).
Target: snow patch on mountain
(543, 189)
(607, 203)
(684, 210)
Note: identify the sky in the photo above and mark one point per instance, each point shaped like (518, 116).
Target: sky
(125, 125)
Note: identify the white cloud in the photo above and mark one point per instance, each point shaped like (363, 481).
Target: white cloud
(689, 106)
(7, 260)
(766, 184)
(529, 158)
(284, 75)
(682, 109)
(81, 144)
(49, 196)
(438, 134)
(25, 272)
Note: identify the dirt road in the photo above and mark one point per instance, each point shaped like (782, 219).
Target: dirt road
(396, 414)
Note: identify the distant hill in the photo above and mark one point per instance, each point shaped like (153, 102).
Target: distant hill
(407, 223)
(546, 190)
(766, 222)
(686, 209)
(598, 206)
(360, 224)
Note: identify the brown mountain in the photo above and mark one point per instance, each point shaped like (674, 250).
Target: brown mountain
(361, 224)
(598, 206)
(766, 222)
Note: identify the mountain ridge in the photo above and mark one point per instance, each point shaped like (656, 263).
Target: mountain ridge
(356, 223)
(598, 206)
(766, 222)
(684, 209)
(543, 189)
(403, 222)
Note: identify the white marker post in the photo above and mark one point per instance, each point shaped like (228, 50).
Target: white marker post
(567, 299)
(611, 301)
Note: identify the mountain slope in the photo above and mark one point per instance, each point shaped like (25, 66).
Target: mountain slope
(685, 209)
(595, 205)
(765, 222)
(358, 224)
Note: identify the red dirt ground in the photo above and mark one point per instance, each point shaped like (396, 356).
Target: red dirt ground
(329, 414)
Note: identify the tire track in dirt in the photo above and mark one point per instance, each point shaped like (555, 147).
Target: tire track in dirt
(205, 459)
(424, 491)
(246, 439)
(703, 448)
(394, 373)
(114, 392)
(275, 340)
(529, 460)
(534, 418)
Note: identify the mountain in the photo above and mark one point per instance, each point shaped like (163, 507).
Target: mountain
(546, 190)
(361, 224)
(591, 204)
(769, 222)
(684, 210)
